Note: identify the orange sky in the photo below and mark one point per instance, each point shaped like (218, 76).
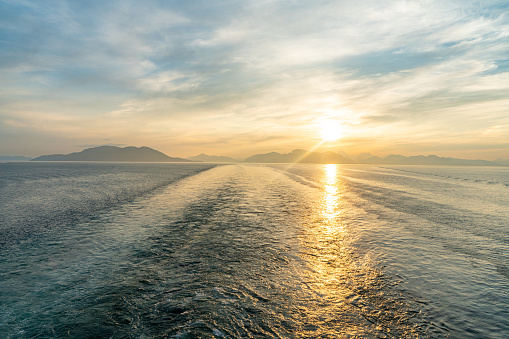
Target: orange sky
(238, 78)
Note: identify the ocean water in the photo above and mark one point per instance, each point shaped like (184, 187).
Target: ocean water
(96, 250)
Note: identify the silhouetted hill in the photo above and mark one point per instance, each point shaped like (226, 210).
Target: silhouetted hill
(113, 153)
(212, 158)
(300, 156)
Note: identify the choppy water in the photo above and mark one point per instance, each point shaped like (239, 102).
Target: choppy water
(254, 251)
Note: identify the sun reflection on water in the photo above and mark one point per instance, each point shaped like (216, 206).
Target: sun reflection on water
(331, 199)
(350, 297)
(329, 264)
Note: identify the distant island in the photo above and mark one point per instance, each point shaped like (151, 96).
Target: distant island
(113, 153)
(212, 158)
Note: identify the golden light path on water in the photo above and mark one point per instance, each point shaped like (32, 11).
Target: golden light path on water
(350, 295)
(331, 192)
(329, 264)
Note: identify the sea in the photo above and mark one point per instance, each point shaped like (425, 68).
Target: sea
(201, 250)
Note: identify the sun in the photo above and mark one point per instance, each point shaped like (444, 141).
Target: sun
(331, 130)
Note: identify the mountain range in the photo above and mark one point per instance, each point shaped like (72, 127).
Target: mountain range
(302, 156)
(113, 153)
(146, 154)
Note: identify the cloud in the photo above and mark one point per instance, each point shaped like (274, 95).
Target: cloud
(204, 70)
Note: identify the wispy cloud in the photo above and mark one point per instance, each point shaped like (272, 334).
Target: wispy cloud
(174, 72)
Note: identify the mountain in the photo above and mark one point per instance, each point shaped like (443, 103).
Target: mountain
(113, 153)
(212, 158)
(13, 158)
(300, 155)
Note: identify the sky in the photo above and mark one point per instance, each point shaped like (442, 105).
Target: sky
(238, 78)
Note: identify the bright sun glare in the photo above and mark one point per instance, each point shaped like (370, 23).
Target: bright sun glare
(331, 130)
